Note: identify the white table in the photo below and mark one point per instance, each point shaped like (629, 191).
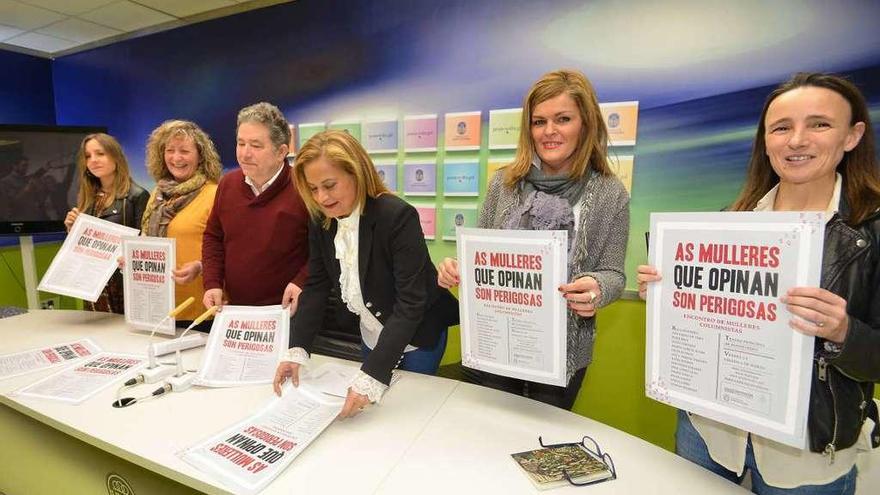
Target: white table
(429, 435)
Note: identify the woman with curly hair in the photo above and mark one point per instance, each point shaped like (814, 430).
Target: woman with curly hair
(183, 161)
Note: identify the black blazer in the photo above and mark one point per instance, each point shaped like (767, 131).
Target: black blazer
(398, 283)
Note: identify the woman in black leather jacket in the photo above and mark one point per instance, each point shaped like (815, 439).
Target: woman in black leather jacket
(107, 191)
(814, 150)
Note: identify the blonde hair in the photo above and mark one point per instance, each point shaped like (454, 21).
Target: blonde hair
(592, 149)
(345, 152)
(89, 185)
(209, 160)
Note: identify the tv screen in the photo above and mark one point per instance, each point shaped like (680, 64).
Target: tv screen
(38, 176)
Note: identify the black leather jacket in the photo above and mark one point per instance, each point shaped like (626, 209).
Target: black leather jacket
(843, 379)
(127, 211)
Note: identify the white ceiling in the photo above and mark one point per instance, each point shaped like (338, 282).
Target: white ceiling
(52, 28)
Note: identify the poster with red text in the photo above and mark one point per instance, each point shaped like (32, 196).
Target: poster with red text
(50, 356)
(81, 381)
(252, 453)
(718, 338)
(149, 286)
(513, 319)
(87, 259)
(244, 346)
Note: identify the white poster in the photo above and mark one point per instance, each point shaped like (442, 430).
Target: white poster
(718, 340)
(81, 381)
(249, 455)
(244, 346)
(149, 286)
(513, 318)
(87, 259)
(19, 363)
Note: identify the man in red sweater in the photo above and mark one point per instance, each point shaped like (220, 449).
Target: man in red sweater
(255, 245)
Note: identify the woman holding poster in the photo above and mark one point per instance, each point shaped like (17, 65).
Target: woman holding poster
(183, 161)
(814, 151)
(107, 191)
(560, 180)
(367, 244)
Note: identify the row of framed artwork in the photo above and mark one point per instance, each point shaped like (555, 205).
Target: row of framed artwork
(462, 131)
(461, 178)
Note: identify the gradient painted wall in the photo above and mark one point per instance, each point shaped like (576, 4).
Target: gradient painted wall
(26, 95)
(699, 69)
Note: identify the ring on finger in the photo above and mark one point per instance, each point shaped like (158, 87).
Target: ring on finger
(820, 324)
(592, 296)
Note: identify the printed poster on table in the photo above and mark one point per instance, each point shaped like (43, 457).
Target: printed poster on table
(20, 363)
(244, 346)
(81, 381)
(380, 136)
(461, 179)
(420, 133)
(252, 453)
(621, 120)
(420, 178)
(462, 131)
(148, 284)
(87, 259)
(513, 319)
(718, 340)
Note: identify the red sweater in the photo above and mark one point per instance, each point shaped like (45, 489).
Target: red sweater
(254, 246)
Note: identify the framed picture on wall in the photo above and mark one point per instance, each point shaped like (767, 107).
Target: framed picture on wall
(306, 131)
(387, 171)
(461, 179)
(420, 178)
(420, 133)
(350, 126)
(455, 216)
(462, 131)
(380, 135)
(504, 128)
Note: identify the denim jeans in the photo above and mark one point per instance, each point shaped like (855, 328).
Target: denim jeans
(690, 445)
(424, 360)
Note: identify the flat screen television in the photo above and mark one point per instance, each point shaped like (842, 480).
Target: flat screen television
(38, 177)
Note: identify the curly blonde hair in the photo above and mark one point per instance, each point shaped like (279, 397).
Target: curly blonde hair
(209, 159)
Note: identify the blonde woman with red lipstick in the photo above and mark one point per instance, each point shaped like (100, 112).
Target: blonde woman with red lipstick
(560, 180)
(367, 245)
(814, 151)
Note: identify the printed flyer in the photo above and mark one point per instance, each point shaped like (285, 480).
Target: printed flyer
(504, 127)
(252, 453)
(420, 178)
(718, 340)
(244, 346)
(20, 363)
(87, 259)
(148, 283)
(513, 319)
(461, 179)
(81, 381)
